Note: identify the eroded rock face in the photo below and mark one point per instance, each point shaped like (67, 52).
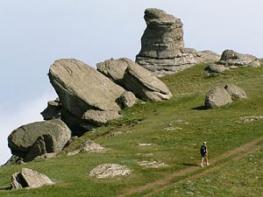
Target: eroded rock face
(53, 110)
(217, 97)
(28, 178)
(35, 139)
(135, 78)
(109, 171)
(234, 59)
(162, 45)
(86, 95)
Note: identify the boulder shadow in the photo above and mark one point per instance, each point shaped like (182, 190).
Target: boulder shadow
(202, 107)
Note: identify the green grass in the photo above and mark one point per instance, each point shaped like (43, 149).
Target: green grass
(148, 123)
(237, 178)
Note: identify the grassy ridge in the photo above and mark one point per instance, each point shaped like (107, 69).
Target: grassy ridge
(175, 129)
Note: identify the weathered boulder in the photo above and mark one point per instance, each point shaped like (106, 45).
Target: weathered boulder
(217, 97)
(215, 69)
(235, 92)
(53, 110)
(28, 178)
(127, 99)
(162, 45)
(32, 140)
(109, 171)
(85, 94)
(135, 78)
(234, 59)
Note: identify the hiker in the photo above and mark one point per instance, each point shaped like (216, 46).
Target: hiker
(204, 154)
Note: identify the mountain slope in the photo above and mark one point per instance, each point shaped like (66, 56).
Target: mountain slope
(173, 130)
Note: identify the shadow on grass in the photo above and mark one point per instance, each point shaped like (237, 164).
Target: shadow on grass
(202, 107)
(190, 164)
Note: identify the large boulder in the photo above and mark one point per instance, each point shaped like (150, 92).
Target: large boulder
(235, 92)
(223, 95)
(162, 45)
(32, 140)
(28, 178)
(135, 78)
(85, 94)
(234, 59)
(217, 97)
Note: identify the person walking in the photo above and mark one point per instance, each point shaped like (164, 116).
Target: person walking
(204, 154)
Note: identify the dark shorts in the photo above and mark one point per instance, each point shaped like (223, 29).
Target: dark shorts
(203, 155)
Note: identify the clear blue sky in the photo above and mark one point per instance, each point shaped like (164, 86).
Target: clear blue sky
(34, 33)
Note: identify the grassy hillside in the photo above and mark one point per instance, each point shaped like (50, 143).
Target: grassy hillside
(175, 128)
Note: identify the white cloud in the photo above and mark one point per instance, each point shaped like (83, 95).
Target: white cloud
(14, 116)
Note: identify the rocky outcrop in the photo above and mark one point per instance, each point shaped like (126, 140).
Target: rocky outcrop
(87, 97)
(162, 45)
(109, 171)
(135, 78)
(230, 60)
(223, 95)
(32, 140)
(28, 178)
(233, 59)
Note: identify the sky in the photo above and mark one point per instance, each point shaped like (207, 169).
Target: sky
(34, 33)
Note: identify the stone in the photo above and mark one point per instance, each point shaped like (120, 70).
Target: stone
(235, 92)
(109, 171)
(88, 146)
(35, 139)
(233, 59)
(53, 110)
(127, 99)
(97, 117)
(216, 68)
(162, 45)
(135, 78)
(82, 90)
(28, 178)
(217, 97)
(249, 119)
(152, 164)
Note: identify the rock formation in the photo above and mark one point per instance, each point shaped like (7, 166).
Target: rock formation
(223, 95)
(87, 97)
(162, 45)
(135, 78)
(28, 178)
(231, 59)
(32, 140)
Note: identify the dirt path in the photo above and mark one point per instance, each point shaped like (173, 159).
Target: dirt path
(159, 185)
